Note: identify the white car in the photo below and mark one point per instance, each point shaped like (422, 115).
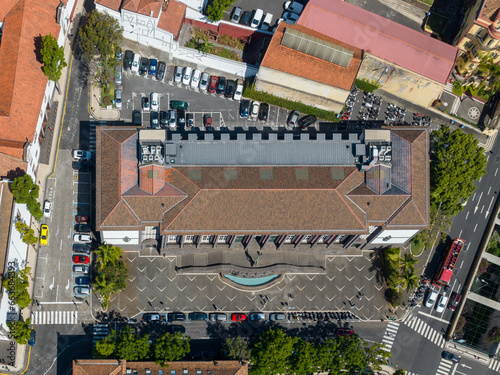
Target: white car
(82, 238)
(82, 291)
(238, 92)
(178, 74)
(254, 111)
(431, 298)
(155, 101)
(118, 99)
(186, 77)
(441, 305)
(257, 17)
(81, 155)
(47, 208)
(205, 77)
(195, 79)
(266, 24)
(294, 7)
(135, 63)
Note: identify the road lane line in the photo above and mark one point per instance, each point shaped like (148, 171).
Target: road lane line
(434, 317)
(461, 264)
(496, 172)
(475, 228)
(467, 247)
(489, 190)
(460, 234)
(466, 216)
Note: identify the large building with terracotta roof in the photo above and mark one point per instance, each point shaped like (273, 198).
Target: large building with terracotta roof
(335, 42)
(364, 189)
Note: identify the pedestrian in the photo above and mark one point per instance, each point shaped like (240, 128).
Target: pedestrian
(51, 128)
(352, 306)
(92, 108)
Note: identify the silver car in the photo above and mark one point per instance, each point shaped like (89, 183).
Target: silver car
(118, 99)
(82, 270)
(178, 74)
(217, 317)
(82, 291)
(205, 77)
(118, 75)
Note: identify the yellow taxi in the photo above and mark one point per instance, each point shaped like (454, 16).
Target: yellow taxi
(44, 234)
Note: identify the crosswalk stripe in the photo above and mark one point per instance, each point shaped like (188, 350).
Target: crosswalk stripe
(388, 341)
(54, 317)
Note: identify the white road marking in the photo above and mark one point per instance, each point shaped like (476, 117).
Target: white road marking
(475, 228)
(460, 234)
(466, 216)
(496, 172)
(434, 317)
(489, 190)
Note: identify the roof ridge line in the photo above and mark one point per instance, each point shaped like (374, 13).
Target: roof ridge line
(176, 216)
(356, 216)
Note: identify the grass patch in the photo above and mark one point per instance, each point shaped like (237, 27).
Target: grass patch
(436, 24)
(417, 248)
(107, 94)
(428, 2)
(229, 41)
(261, 96)
(365, 85)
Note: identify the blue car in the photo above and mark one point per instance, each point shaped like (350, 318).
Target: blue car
(152, 67)
(244, 108)
(82, 280)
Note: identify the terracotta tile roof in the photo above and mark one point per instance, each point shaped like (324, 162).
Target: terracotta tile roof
(11, 167)
(111, 4)
(172, 18)
(490, 9)
(380, 37)
(151, 178)
(114, 367)
(5, 7)
(144, 7)
(290, 61)
(21, 73)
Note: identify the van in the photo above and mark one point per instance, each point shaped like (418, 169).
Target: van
(118, 99)
(257, 17)
(135, 63)
(266, 24)
(154, 101)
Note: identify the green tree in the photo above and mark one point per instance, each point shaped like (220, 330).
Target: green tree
(24, 189)
(171, 347)
(16, 284)
(400, 372)
(395, 296)
(303, 360)
(457, 161)
(130, 346)
(407, 263)
(20, 331)
(111, 272)
(27, 233)
(215, 10)
(409, 281)
(328, 356)
(237, 348)
(53, 58)
(352, 353)
(108, 254)
(271, 352)
(106, 347)
(376, 356)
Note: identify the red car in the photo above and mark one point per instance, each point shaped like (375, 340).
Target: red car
(454, 301)
(207, 120)
(82, 219)
(345, 332)
(81, 259)
(212, 87)
(238, 317)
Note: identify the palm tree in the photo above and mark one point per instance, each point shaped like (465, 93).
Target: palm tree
(409, 281)
(107, 253)
(407, 263)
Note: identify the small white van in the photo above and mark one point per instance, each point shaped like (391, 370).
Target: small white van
(257, 17)
(135, 63)
(266, 24)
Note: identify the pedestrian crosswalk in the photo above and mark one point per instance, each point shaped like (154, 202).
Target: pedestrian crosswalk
(92, 136)
(494, 365)
(390, 335)
(444, 367)
(425, 330)
(54, 317)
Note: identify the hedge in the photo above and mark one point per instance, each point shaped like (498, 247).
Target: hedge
(365, 85)
(265, 97)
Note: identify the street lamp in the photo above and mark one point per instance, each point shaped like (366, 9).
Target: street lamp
(98, 102)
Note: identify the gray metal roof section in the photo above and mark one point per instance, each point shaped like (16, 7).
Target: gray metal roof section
(303, 152)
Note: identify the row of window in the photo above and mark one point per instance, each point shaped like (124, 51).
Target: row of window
(190, 239)
(160, 372)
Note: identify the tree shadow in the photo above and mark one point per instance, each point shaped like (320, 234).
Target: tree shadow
(37, 44)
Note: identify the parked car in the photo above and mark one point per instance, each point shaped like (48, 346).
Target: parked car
(290, 18)
(256, 18)
(258, 317)
(145, 104)
(176, 317)
(82, 280)
(293, 117)
(81, 248)
(306, 121)
(275, 317)
(178, 104)
(81, 291)
(207, 120)
(431, 298)
(195, 79)
(118, 75)
(263, 111)
(266, 24)
(152, 67)
(82, 219)
(81, 155)
(155, 101)
(197, 316)
(244, 108)
(254, 112)
(238, 317)
(44, 234)
(32, 339)
(47, 208)
(118, 55)
(186, 75)
(178, 74)
(171, 119)
(82, 270)
(214, 81)
(143, 69)
(82, 238)
(441, 305)
(81, 166)
(221, 86)
(236, 15)
(217, 317)
(450, 356)
(246, 17)
(82, 228)
(238, 92)
(181, 117)
(205, 77)
(136, 118)
(230, 86)
(189, 119)
(294, 7)
(151, 317)
(345, 332)
(163, 119)
(81, 259)
(454, 301)
(118, 99)
(127, 59)
(160, 70)
(135, 63)
(153, 120)
(175, 328)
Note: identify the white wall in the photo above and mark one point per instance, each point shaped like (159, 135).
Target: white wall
(117, 237)
(396, 236)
